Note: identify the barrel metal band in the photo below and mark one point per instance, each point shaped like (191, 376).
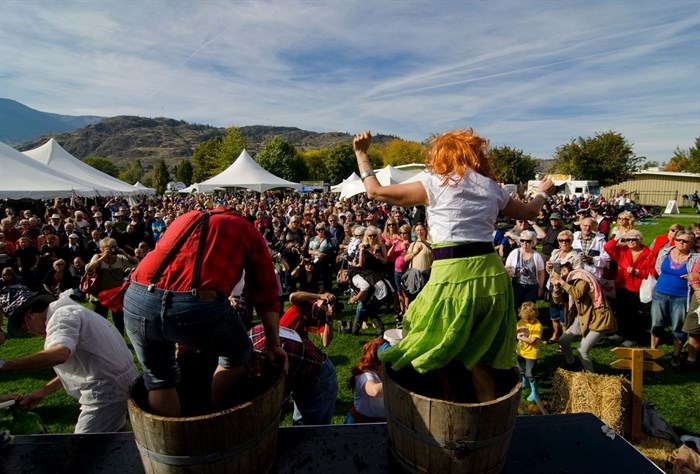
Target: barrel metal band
(446, 443)
(210, 457)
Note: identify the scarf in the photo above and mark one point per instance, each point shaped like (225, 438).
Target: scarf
(595, 291)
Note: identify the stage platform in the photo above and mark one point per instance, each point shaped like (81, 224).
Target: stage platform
(541, 444)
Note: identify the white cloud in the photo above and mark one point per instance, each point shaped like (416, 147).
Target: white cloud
(531, 75)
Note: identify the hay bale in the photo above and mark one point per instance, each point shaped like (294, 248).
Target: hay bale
(658, 451)
(607, 397)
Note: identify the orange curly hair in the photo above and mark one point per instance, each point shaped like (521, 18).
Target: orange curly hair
(456, 151)
(368, 361)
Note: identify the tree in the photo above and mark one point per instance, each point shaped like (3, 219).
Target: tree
(282, 159)
(230, 148)
(607, 157)
(650, 164)
(161, 177)
(512, 165)
(340, 163)
(316, 164)
(184, 172)
(400, 152)
(102, 164)
(132, 172)
(686, 160)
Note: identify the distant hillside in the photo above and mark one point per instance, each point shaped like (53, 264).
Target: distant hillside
(125, 138)
(19, 123)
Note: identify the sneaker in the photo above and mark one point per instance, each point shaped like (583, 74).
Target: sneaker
(615, 338)
(629, 343)
(675, 361)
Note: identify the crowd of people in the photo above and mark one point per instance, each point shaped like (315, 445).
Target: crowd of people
(468, 274)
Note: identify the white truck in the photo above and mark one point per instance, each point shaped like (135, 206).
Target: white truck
(569, 187)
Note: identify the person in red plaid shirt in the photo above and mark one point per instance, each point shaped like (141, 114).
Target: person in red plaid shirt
(311, 380)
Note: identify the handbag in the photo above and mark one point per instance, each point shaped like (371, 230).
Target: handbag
(342, 278)
(90, 283)
(647, 289)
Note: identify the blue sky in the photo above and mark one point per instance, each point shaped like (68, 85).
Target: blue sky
(527, 74)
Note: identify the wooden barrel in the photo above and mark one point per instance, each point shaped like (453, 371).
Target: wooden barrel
(242, 439)
(432, 435)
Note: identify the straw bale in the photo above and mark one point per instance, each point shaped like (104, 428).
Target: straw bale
(658, 450)
(607, 397)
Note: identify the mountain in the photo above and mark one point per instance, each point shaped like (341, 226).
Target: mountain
(126, 138)
(19, 123)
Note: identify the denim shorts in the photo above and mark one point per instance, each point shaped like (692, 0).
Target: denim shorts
(668, 310)
(156, 320)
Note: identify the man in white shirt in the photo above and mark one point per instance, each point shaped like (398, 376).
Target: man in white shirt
(89, 356)
(589, 243)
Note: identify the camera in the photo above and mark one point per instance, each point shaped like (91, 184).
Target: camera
(556, 267)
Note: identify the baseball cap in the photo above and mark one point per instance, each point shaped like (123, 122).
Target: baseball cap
(15, 301)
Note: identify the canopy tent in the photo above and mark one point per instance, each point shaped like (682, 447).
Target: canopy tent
(23, 178)
(55, 157)
(386, 176)
(144, 190)
(198, 188)
(339, 187)
(244, 172)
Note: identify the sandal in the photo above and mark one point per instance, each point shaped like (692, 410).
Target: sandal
(550, 341)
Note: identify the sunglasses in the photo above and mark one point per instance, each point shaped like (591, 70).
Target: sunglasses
(683, 240)
(563, 240)
(525, 241)
(629, 240)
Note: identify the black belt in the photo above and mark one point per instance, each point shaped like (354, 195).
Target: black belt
(468, 249)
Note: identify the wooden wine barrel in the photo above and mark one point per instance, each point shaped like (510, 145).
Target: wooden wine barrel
(242, 439)
(428, 435)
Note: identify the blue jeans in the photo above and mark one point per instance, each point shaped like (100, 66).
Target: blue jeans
(156, 320)
(314, 400)
(665, 310)
(527, 368)
(523, 293)
(557, 313)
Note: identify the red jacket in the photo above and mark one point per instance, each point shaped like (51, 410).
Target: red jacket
(622, 255)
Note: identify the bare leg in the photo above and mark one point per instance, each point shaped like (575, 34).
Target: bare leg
(677, 346)
(484, 382)
(556, 330)
(693, 348)
(655, 341)
(164, 402)
(223, 384)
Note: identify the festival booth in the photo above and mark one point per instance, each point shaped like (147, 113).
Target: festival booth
(56, 158)
(244, 172)
(386, 176)
(24, 178)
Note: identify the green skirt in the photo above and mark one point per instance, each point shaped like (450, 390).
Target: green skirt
(464, 313)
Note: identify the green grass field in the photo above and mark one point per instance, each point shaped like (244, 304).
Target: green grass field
(676, 397)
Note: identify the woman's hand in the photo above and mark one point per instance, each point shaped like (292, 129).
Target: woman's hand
(361, 142)
(546, 185)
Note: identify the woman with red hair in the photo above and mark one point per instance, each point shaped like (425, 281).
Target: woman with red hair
(465, 312)
(366, 384)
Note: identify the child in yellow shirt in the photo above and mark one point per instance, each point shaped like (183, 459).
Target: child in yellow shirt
(529, 336)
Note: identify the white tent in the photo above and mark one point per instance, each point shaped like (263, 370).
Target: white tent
(386, 176)
(244, 172)
(144, 190)
(55, 157)
(23, 178)
(339, 187)
(197, 188)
